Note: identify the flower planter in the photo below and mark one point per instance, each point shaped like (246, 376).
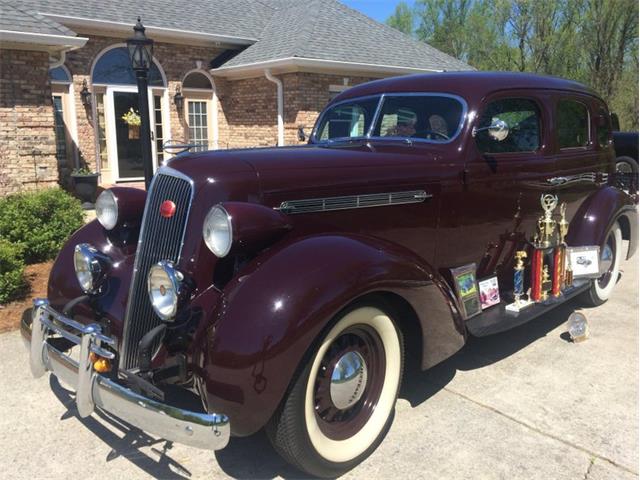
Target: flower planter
(134, 132)
(85, 188)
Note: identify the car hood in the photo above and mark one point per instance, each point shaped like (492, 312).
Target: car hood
(312, 170)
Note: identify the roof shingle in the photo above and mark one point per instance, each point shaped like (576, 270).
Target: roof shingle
(17, 17)
(279, 29)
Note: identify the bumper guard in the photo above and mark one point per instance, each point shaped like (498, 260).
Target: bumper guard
(200, 430)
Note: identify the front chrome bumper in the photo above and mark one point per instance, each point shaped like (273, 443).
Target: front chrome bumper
(207, 431)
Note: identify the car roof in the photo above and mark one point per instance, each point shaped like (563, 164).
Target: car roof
(464, 84)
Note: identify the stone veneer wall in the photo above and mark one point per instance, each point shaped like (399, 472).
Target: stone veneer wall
(27, 136)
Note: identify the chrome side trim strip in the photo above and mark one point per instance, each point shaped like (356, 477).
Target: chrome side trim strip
(348, 202)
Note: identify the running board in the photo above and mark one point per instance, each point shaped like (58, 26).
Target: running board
(497, 319)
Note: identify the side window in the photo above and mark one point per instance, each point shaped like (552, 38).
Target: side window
(522, 118)
(348, 120)
(426, 117)
(572, 124)
(604, 128)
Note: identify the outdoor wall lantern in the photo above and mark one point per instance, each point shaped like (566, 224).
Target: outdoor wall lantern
(85, 94)
(178, 99)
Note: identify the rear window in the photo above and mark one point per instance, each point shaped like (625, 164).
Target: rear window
(572, 124)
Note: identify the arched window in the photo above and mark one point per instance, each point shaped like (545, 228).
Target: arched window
(197, 80)
(59, 75)
(114, 68)
(200, 112)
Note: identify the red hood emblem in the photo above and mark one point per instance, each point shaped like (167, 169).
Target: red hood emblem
(167, 209)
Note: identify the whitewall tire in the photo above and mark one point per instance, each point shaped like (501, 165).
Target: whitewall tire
(341, 404)
(610, 257)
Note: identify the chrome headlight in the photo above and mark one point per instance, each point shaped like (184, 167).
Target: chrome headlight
(217, 231)
(107, 209)
(163, 284)
(90, 266)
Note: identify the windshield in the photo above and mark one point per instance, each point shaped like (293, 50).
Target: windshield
(429, 117)
(348, 119)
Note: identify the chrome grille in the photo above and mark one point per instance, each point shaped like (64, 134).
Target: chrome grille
(160, 239)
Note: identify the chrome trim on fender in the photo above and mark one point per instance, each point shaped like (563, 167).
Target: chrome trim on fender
(347, 202)
(200, 430)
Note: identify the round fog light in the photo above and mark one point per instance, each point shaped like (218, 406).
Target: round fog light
(163, 284)
(90, 266)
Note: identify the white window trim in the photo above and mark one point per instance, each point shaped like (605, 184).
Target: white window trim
(69, 114)
(213, 111)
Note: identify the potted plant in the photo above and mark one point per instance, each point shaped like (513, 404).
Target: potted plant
(132, 119)
(85, 185)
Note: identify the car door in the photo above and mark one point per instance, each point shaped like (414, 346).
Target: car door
(503, 180)
(582, 162)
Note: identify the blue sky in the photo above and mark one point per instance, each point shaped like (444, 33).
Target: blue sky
(379, 10)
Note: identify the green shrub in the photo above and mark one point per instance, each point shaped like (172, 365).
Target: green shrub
(11, 271)
(39, 222)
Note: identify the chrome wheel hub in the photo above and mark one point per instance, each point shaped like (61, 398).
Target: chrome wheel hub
(606, 258)
(348, 380)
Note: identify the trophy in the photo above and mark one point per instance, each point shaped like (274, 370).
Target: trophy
(518, 276)
(537, 260)
(568, 274)
(560, 253)
(546, 223)
(518, 284)
(542, 240)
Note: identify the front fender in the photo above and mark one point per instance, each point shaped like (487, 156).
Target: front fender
(271, 314)
(597, 213)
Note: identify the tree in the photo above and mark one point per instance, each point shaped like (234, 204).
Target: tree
(591, 41)
(402, 19)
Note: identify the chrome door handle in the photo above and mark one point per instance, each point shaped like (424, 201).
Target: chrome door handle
(557, 180)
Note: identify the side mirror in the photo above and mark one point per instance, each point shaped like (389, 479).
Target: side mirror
(301, 135)
(498, 130)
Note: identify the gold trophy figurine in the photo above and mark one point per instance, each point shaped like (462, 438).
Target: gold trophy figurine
(546, 223)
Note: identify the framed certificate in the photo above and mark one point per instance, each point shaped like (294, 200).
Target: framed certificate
(584, 261)
(489, 292)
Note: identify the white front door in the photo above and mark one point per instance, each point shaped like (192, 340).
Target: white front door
(123, 137)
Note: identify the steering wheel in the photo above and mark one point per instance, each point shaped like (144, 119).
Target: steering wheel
(425, 132)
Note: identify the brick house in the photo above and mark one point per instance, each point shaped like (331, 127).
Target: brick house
(250, 72)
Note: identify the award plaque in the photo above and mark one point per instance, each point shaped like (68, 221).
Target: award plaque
(464, 280)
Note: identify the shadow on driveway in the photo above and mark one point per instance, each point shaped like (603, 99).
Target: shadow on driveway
(254, 457)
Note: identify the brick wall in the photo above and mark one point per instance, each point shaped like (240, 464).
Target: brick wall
(27, 136)
(248, 108)
(305, 96)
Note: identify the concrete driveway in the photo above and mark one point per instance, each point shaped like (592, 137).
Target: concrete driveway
(526, 404)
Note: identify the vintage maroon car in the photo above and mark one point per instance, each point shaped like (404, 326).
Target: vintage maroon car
(287, 288)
